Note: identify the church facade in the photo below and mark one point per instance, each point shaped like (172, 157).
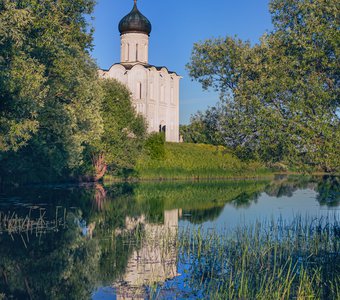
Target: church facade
(155, 90)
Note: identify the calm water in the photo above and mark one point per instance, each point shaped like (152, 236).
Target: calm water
(94, 241)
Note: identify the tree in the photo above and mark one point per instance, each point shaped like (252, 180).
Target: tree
(281, 96)
(50, 96)
(204, 127)
(22, 81)
(118, 148)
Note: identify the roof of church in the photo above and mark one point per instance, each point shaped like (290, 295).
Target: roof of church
(134, 21)
(130, 66)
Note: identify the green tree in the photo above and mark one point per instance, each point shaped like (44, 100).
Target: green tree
(49, 91)
(124, 132)
(281, 96)
(22, 90)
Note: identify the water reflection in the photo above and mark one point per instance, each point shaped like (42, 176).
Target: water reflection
(124, 236)
(155, 261)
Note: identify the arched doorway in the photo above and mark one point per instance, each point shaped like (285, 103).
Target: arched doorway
(162, 127)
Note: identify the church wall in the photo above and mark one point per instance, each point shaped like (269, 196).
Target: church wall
(134, 48)
(155, 95)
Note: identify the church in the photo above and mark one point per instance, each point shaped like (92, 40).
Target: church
(155, 89)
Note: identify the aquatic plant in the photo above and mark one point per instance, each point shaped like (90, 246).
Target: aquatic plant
(268, 260)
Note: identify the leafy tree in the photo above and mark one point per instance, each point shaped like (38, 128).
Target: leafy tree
(281, 97)
(205, 127)
(124, 132)
(22, 80)
(49, 92)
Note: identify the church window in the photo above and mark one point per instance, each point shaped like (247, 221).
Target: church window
(151, 91)
(172, 95)
(136, 52)
(127, 50)
(139, 90)
(162, 93)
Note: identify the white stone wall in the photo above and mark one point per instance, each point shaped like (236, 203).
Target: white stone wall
(134, 48)
(155, 95)
(155, 91)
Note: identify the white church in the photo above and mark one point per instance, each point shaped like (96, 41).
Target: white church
(155, 90)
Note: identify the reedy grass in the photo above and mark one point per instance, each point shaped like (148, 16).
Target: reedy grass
(266, 260)
(12, 223)
(299, 260)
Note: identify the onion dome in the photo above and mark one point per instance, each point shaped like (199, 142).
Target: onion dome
(134, 22)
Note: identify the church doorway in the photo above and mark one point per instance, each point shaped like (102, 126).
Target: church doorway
(162, 127)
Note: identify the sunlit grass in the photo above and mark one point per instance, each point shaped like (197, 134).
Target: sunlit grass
(183, 161)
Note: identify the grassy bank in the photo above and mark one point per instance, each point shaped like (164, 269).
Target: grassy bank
(197, 161)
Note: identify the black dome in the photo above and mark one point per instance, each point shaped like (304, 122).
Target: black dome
(134, 22)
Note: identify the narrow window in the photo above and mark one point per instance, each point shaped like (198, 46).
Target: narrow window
(151, 90)
(127, 47)
(136, 52)
(139, 90)
(162, 93)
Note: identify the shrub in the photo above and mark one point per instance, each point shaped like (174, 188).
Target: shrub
(155, 146)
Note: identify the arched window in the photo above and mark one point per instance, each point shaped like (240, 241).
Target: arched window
(151, 90)
(136, 52)
(127, 52)
(162, 93)
(172, 95)
(139, 90)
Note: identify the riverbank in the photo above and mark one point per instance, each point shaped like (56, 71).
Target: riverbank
(184, 161)
(198, 161)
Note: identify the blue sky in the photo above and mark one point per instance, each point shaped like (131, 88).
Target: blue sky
(176, 26)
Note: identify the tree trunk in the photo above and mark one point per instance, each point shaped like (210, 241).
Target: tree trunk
(99, 165)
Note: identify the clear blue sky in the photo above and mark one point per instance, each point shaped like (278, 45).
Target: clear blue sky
(176, 25)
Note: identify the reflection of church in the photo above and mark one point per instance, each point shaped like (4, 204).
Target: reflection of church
(155, 261)
(155, 90)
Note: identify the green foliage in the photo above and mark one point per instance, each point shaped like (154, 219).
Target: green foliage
(203, 128)
(280, 98)
(155, 146)
(124, 131)
(197, 161)
(22, 82)
(49, 91)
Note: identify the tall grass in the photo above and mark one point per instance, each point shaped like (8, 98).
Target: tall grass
(184, 161)
(266, 260)
(300, 260)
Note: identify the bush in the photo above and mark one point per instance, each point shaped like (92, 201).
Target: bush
(155, 146)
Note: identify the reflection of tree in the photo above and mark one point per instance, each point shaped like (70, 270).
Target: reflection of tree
(328, 187)
(58, 265)
(100, 196)
(245, 199)
(329, 191)
(200, 216)
(74, 263)
(286, 186)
